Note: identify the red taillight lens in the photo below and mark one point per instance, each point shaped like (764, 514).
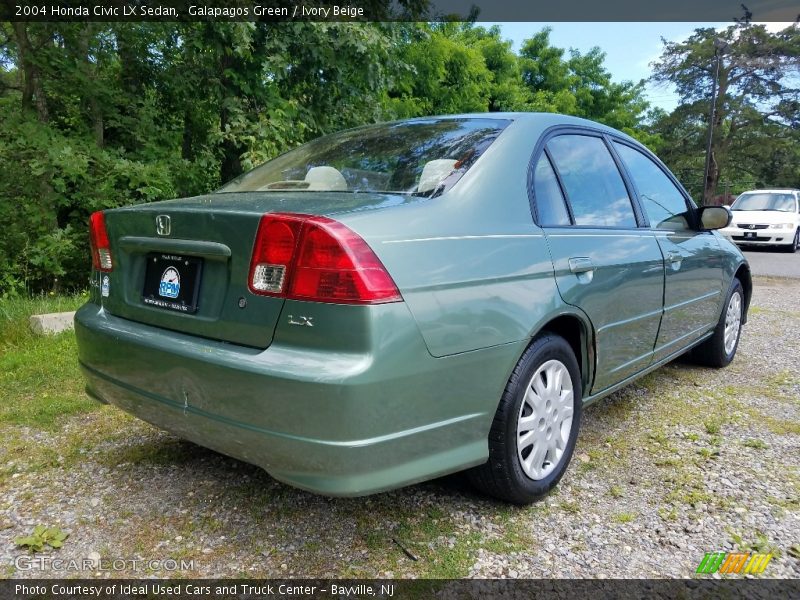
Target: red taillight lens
(318, 260)
(336, 265)
(98, 239)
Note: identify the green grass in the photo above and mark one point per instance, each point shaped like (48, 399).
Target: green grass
(624, 517)
(570, 507)
(686, 488)
(39, 379)
(15, 312)
(755, 542)
(756, 443)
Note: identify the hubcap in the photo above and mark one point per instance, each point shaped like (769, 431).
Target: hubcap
(733, 321)
(545, 420)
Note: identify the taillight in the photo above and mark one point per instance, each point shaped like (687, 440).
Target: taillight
(98, 238)
(273, 253)
(317, 259)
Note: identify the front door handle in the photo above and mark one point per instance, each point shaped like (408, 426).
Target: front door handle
(674, 257)
(581, 264)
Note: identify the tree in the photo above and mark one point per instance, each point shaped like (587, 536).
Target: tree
(579, 84)
(99, 115)
(506, 91)
(438, 74)
(756, 121)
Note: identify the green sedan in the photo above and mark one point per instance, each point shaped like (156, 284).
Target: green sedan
(392, 303)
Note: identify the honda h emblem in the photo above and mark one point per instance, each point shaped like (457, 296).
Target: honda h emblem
(163, 225)
(751, 226)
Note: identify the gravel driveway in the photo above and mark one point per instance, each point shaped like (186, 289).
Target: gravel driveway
(686, 461)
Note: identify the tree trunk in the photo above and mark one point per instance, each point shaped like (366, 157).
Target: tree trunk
(32, 90)
(712, 180)
(231, 165)
(718, 143)
(128, 58)
(95, 112)
(187, 141)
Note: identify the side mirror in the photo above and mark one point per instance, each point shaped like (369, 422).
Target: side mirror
(715, 217)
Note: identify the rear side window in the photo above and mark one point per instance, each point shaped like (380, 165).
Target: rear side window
(550, 207)
(592, 182)
(662, 201)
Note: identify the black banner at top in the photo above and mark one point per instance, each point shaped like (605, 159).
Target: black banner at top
(399, 10)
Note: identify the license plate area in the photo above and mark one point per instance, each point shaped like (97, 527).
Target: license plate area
(750, 234)
(172, 282)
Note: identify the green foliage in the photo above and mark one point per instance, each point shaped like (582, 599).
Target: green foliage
(42, 536)
(756, 131)
(99, 115)
(441, 75)
(49, 185)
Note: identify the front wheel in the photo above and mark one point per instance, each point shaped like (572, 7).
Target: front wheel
(720, 348)
(536, 424)
(795, 245)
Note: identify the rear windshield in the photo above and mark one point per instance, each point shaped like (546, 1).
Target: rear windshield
(422, 157)
(777, 202)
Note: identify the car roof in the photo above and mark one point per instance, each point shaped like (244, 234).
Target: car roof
(542, 120)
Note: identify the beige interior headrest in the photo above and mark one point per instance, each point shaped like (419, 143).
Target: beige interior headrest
(325, 179)
(433, 172)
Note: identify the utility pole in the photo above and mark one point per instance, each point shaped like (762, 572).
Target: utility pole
(719, 46)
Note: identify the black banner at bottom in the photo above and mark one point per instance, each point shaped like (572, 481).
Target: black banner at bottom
(483, 589)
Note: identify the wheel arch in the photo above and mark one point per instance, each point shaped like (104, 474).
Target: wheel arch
(577, 330)
(745, 278)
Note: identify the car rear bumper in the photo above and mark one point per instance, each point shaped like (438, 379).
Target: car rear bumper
(341, 424)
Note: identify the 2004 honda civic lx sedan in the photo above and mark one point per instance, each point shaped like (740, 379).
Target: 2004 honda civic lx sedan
(399, 301)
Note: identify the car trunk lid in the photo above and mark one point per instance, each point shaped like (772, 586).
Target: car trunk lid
(184, 264)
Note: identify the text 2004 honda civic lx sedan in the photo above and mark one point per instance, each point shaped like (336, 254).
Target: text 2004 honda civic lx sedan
(396, 302)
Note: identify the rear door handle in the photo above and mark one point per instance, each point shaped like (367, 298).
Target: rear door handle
(581, 264)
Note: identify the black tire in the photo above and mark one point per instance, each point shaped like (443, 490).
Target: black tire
(503, 475)
(712, 352)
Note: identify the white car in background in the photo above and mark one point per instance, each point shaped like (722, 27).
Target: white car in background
(766, 218)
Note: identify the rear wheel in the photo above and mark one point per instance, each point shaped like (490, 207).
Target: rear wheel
(720, 348)
(536, 424)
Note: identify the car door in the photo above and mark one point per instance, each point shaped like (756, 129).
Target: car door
(693, 259)
(605, 264)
